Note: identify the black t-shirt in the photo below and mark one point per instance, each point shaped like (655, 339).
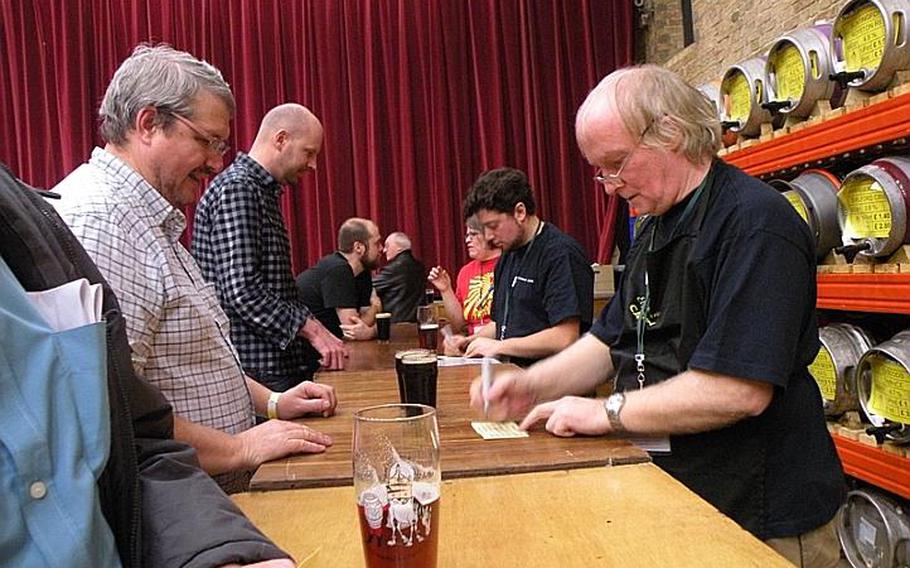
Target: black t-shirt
(747, 284)
(331, 284)
(541, 284)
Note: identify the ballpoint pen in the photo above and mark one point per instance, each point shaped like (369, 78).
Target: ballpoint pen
(486, 377)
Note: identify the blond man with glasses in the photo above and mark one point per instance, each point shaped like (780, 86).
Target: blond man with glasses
(709, 336)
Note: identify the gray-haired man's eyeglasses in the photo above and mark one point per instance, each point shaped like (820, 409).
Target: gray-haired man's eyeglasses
(213, 143)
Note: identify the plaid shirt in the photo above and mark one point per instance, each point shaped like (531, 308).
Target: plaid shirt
(176, 329)
(241, 243)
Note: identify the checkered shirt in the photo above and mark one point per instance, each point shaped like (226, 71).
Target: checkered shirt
(177, 331)
(241, 244)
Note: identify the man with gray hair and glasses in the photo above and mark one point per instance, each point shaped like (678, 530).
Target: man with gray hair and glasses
(165, 117)
(709, 336)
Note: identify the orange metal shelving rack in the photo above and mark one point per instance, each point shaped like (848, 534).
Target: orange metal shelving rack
(882, 293)
(860, 128)
(850, 133)
(874, 465)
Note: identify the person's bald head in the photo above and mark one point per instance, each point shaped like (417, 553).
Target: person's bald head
(288, 142)
(396, 243)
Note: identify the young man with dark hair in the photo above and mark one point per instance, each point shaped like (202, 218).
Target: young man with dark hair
(543, 300)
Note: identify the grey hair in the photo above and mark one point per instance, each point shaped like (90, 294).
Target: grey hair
(162, 77)
(680, 117)
(400, 239)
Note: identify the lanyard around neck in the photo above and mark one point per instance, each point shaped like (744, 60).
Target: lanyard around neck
(645, 312)
(505, 312)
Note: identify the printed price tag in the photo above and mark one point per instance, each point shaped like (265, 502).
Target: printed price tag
(863, 33)
(790, 73)
(797, 202)
(825, 373)
(890, 396)
(736, 87)
(866, 209)
(498, 430)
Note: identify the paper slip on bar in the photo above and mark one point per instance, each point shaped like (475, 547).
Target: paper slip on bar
(498, 430)
(449, 361)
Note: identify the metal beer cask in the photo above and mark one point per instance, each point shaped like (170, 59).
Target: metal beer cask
(842, 346)
(874, 531)
(798, 67)
(883, 386)
(711, 91)
(743, 90)
(874, 206)
(869, 43)
(813, 194)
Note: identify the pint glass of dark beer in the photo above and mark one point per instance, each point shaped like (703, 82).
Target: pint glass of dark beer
(383, 326)
(419, 374)
(397, 485)
(399, 367)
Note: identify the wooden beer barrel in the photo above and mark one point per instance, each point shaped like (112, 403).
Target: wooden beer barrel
(869, 43)
(873, 530)
(842, 346)
(874, 206)
(883, 386)
(813, 193)
(798, 69)
(743, 90)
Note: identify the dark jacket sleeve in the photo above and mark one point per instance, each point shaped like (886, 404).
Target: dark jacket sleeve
(187, 519)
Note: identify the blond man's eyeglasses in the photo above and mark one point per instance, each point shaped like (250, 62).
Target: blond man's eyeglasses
(614, 179)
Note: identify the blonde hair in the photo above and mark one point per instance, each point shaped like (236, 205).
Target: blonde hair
(680, 117)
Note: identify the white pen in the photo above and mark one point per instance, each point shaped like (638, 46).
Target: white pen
(486, 378)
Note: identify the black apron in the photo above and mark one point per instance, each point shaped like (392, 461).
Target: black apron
(725, 467)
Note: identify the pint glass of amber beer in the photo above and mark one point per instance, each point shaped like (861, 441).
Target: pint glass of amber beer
(397, 484)
(427, 327)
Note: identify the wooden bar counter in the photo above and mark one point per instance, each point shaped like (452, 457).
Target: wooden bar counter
(635, 515)
(463, 453)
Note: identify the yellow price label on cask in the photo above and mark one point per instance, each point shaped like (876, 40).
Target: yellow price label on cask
(736, 87)
(790, 73)
(797, 202)
(890, 396)
(825, 373)
(863, 33)
(867, 212)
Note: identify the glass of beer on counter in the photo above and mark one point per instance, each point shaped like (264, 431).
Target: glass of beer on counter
(397, 484)
(428, 327)
(383, 326)
(399, 368)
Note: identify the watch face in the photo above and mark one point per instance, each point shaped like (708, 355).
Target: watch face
(614, 403)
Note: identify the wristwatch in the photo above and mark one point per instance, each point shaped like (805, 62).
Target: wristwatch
(613, 405)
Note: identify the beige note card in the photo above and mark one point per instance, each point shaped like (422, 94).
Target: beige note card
(498, 430)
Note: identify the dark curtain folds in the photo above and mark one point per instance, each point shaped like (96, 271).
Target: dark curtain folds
(417, 98)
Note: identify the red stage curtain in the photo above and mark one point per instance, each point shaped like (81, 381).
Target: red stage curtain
(417, 98)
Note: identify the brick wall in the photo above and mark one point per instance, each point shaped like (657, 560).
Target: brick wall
(726, 32)
(663, 34)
